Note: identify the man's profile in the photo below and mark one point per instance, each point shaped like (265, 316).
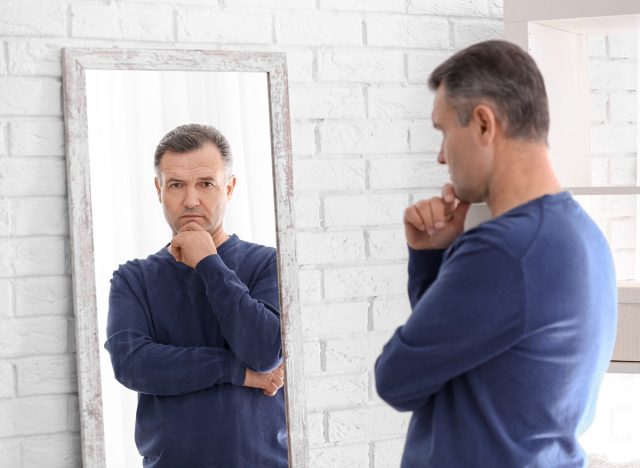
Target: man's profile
(195, 327)
(513, 322)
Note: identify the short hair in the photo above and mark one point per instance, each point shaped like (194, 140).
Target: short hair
(503, 74)
(190, 137)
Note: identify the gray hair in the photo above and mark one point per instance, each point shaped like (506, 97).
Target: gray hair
(502, 74)
(191, 137)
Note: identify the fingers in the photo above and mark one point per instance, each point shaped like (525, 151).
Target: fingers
(435, 223)
(438, 216)
(175, 249)
(279, 371)
(448, 194)
(430, 214)
(277, 380)
(413, 217)
(272, 386)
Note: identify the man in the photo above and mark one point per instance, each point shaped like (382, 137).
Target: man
(513, 322)
(195, 328)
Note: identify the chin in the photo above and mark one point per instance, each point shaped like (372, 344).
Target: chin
(199, 221)
(467, 196)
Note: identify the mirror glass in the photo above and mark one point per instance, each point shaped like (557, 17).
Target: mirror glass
(128, 112)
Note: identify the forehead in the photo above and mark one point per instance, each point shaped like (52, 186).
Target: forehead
(204, 160)
(440, 105)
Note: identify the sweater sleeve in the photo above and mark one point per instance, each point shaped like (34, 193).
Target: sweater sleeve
(146, 366)
(473, 311)
(250, 320)
(423, 270)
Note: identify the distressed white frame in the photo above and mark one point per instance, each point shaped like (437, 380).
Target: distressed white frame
(75, 62)
(553, 33)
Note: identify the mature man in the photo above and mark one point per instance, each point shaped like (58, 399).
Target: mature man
(513, 322)
(195, 328)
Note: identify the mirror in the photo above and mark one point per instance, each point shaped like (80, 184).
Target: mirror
(118, 105)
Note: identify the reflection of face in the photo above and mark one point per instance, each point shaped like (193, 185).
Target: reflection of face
(461, 150)
(193, 186)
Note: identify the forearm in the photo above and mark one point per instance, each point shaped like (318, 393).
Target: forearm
(250, 326)
(148, 367)
(400, 377)
(423, 271)
(467, 316)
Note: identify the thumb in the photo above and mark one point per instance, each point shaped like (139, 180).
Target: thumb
(176, 250)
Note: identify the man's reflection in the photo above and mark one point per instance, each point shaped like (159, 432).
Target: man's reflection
(195, 327)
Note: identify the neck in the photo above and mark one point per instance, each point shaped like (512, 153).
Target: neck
(219, 236)
(522, 172)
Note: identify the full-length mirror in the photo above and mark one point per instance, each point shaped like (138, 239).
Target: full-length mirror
(119, 106)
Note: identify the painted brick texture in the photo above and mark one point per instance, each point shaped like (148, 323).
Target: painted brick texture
(363, 147)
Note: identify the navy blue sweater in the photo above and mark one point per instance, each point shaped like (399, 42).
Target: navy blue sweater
(511, 332)
(182, 338)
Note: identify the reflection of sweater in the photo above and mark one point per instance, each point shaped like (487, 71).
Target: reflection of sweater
(182, 338)
(511, 332)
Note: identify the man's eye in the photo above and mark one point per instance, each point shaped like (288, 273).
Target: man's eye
(175, 185)
(208, 184)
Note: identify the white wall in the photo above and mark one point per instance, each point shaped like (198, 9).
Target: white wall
(363, 150)
(613, 74)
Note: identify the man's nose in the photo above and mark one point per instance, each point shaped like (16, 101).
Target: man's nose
(191, 199)
(441, 159)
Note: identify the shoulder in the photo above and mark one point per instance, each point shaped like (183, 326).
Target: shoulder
(515, 231)
(136, 268)
(510, 236)
(257, 249)
(258, 253)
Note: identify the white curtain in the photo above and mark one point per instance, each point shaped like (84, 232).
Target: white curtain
(128, 113)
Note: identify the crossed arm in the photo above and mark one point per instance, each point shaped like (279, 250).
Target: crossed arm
(143, 365)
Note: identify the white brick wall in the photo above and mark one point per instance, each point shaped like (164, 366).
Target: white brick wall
(212, 26)
(314, 28)
(363, 149)
(327, 102)
(329, 174)
(356, 456)
(360, 65)
(363, 5)
(408, 31)
(122, 21)
(364, 137)
(387, 453)
(33, 18)
(30, 96)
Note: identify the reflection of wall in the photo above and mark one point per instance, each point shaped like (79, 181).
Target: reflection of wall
(363, 149)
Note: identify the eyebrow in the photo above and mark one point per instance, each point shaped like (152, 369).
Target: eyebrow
(202, 179)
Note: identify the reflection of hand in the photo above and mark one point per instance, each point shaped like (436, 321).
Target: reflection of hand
(268, 382)
(435, 223)
(192, 244)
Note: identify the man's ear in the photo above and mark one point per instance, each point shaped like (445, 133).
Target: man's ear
(485, 121)
(231, 184)
(157, 182)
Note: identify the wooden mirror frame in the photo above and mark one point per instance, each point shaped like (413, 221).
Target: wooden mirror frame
(75, 62)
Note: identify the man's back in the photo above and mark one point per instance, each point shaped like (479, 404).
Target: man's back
(508, 344)
(172, 334)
